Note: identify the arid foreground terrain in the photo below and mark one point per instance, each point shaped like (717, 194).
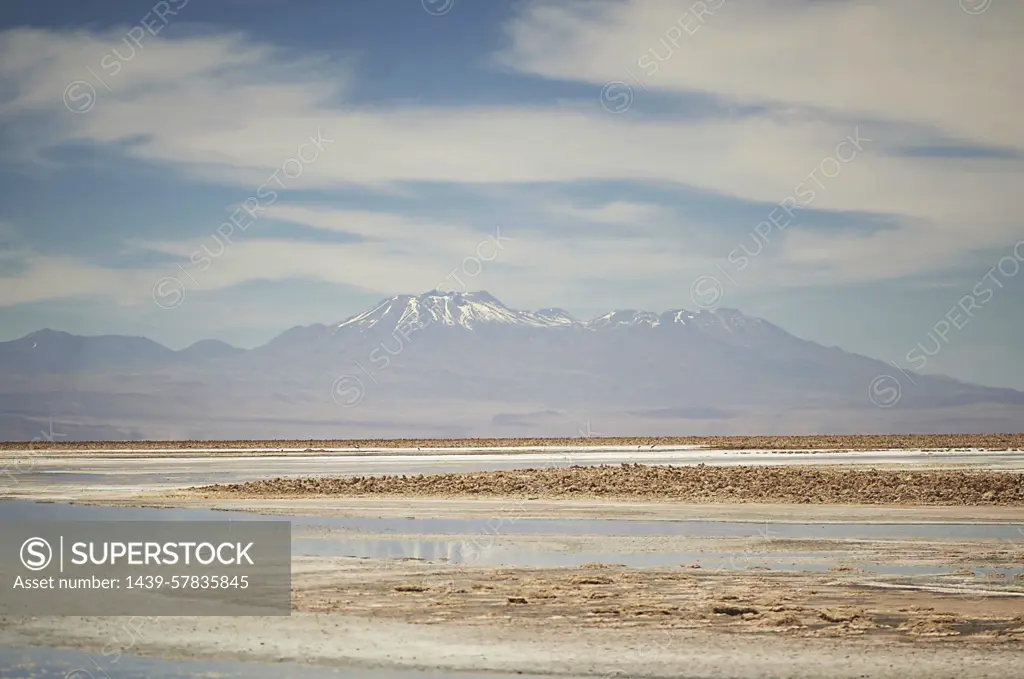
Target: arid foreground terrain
(782, 485)
(903, 565)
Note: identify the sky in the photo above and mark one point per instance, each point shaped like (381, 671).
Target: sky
(847, 169)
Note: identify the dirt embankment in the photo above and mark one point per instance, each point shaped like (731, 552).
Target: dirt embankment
(787, 485)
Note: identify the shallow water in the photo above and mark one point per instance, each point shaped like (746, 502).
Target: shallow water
(46, 663)
(468, 553)
(507, 523)
(186, 469)
(480, 548)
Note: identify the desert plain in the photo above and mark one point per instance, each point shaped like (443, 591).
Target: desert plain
(780, 557)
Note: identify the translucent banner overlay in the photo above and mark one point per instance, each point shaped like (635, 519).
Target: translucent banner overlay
(151, 568)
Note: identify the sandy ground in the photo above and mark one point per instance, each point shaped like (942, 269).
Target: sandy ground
(823, 442)
(836, 603)
(849, 619)
(613, 653)
(622, 623)
(592, 620)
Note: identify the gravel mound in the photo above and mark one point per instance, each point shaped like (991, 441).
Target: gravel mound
(694, 484)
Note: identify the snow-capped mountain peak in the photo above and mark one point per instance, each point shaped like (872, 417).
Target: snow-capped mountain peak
(557, 316)
(629, 317)
(456, 309)
(471, 310)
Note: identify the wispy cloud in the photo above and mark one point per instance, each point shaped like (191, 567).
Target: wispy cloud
(916, 61)
(224, 108)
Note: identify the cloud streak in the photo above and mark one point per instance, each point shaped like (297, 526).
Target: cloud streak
(225, 109)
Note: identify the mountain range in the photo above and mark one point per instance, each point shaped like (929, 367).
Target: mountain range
(463, 364)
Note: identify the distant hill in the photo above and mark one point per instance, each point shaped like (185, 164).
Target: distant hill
(464, 364)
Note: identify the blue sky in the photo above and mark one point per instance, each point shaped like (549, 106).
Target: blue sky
(629, 154)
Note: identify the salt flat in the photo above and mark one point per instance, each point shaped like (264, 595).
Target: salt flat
(860, 589)
(146, 470)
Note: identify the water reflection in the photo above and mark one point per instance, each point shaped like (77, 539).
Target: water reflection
(507, 523)
(45, 663)
(311, 537)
